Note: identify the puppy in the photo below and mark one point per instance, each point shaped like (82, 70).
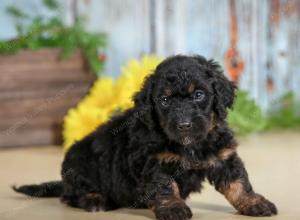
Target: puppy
(158, 152)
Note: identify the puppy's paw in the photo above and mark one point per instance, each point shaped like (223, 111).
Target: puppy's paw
(176, 211)
(92, 202)
(259, 207)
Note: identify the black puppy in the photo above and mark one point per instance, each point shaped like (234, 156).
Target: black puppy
(155, 154)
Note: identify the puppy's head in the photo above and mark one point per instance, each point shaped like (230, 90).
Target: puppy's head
(188, 95)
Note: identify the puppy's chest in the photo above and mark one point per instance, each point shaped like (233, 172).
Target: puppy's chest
(193, 160)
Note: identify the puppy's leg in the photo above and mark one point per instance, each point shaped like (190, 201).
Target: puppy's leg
(166, 201)
(91, 202)
(79, 192)
(231, 179)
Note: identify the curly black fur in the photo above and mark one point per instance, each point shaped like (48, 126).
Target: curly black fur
(158, 152)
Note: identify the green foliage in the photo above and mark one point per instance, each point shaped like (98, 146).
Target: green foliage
(288, 115)
(51, 4)
(39, 32)
(246, 116)
(16, 12)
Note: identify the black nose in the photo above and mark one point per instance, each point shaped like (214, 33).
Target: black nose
(183, 126)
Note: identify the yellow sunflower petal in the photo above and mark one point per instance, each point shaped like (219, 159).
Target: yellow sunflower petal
(105, 97)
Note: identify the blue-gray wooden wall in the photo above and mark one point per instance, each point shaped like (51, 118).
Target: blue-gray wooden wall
(268, 35)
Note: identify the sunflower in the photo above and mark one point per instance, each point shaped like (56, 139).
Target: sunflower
(105, 97)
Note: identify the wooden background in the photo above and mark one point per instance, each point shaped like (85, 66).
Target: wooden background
(267, 35)
(37, 90)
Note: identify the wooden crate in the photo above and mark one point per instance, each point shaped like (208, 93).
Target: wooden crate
(36, 91)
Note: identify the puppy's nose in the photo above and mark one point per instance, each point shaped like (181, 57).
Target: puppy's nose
(184, 126)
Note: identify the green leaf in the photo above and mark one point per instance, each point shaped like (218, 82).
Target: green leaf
(246, 116)
(16, 12)
(43, 32)
(9, 46)
(287, 114)
(51, 4)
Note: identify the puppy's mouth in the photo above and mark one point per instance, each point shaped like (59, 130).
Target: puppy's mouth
(183, 138)
(187, 140)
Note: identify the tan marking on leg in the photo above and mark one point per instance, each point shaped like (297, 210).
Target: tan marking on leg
(168, 157)
(236, 195)
(170, 200)
(93, 195)
(239, 198)
(212, 122)
(233, 192)
(175, 189)
(212, 162)
(206, 164)
(225, 153)
(251, 200)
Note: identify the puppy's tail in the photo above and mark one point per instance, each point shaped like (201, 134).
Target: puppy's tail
(48, 189)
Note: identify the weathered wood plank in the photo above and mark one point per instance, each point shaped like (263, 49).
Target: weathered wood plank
(46, 55)
(36, 93)
(28, 80)
(41, 105)
(127, 24)
(48, 91)
(205, 28)
(39, 136)
(41, 69)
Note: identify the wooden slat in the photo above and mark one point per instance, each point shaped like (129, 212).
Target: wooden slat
(38, 136)
(27, 80)
(37, 90)
(38, 56)
(266, 49)
(34, 65)
(50, 90)
(40, 105)
(30, 71)
(127, 24)
(10, 125)
(37, 66)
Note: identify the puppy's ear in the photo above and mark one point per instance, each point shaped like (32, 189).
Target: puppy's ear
(224, 90)
(144, 96)
(224, 95)
(144, 103)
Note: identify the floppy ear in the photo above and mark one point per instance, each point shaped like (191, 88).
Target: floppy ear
(144, 103)
(224, 90)
(144, 96)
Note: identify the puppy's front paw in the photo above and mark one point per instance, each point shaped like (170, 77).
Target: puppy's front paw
(259, 206)
(174, 210)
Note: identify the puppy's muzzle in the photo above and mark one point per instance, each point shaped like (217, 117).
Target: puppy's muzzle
(184, 126)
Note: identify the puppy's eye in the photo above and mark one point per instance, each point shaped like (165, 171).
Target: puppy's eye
(164, 101)
(199, 95)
